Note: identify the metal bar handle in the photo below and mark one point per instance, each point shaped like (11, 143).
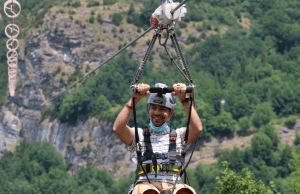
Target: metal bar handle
(189, 89)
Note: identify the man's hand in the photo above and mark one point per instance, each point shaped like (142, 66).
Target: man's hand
(179, 91)
(142, 91)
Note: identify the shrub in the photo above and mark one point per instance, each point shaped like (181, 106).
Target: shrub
(54, 73)
(72, 12)
(21, 132)
(77, 22)
(237, 13)
(237, 184)
(262, 115)
(244, 125)
(87, 68)
(109, 2)
(182, 24)
(76, 4)
(178, 32)
(199, 28)
(56, 28)
(148, 42)
(70, 141)
(269, 130)
(131, 9)
(88, 148)
(93, 3)
(83, 150)
(116, 167)
(92, 12)
(224, 125)
(99, 18)
(192, 39)
(92, 19)
(130, 20)
(261, 146)
(81, 139)
(117, 18)
(61, 11)
(296, 173)
(291, 121)
(297, 139)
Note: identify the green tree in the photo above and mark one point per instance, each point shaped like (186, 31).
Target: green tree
(224, 125)
(291, 121)
(234, 157)
(261, 146)
(296, 173)
(131, 9)
(244, 125)
(109, 2)
(76, 4)
(231, 183)
(93, 3)
(297, 139)
(240, 108)
(99, 18)
(117, 18)
(286, 156)
(92, 19)
(262, 115)
(269, 130)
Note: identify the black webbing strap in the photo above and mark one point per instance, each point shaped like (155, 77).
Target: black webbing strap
(148, 154)
(172, 147)
(189, 120)
(137, 139)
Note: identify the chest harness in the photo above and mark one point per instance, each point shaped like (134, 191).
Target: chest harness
(172, 155)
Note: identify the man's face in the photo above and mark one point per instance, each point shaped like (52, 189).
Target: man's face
(159, 114)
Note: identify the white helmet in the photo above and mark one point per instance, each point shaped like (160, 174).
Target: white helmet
(166, 100)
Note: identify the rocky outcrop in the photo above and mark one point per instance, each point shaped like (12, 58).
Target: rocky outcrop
(297, 126)
(105, 147)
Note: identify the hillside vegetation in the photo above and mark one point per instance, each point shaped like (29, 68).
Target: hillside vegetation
(38, 168)
(247, 55)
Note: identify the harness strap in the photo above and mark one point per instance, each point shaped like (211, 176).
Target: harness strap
(172, 148)
(162, 167)
(137, 139)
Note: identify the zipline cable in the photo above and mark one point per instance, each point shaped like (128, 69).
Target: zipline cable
(105, 61)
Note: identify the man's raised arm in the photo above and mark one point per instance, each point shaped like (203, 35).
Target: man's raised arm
(124, 132)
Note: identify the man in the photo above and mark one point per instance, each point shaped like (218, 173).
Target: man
(158, 143)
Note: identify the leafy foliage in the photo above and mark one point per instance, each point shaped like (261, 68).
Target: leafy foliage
(261, 146)
(38, 168)
(291, 121)
(231, 183)
(244, 125)
(296, 173)
(117, 18)
(109, 2)
(76, 4)
(262, 115)
(93, 4)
